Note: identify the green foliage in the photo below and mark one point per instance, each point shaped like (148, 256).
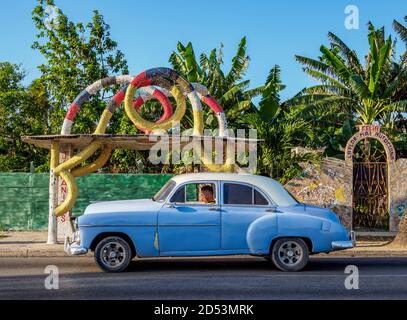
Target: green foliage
(23, 111)
(363, 90)
(228, 88)
(282, 131)
(270, 100)
(77, 55)
(276, 157)
(353, 93)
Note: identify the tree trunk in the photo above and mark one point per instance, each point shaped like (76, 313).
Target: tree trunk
(401, 237)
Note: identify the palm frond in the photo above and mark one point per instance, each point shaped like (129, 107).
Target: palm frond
(381, 56)
(177, 62)
(232, 93)
(399, 106)
(328, 103)
(360, 86)
(337, 64)
(204, 63)
(325, 78)
(328, 89)
(347, 53)
(314, 64)
(401, 30)
(397, 84)
(240, 63)
(252, 93)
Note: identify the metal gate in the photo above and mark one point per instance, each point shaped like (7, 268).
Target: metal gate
(370, 196)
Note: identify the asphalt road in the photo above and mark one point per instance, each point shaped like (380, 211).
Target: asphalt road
(203, 278)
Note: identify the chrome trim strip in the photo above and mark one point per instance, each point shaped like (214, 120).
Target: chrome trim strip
(188, 225)
(117, 225)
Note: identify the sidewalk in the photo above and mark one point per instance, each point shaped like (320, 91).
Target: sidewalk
(25, 244)
(33, 244)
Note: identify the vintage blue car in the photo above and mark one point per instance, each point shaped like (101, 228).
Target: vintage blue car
(203, 214)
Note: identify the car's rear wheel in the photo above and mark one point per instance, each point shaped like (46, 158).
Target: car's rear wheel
(290, 254)
(113, 254)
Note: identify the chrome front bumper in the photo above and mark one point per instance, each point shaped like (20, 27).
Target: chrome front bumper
(348, 244)
(72, 246)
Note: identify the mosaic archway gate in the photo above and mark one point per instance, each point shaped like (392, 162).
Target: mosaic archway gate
(371, 195)
(330, 184)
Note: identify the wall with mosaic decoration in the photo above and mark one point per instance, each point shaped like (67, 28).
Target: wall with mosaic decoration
(329, 185)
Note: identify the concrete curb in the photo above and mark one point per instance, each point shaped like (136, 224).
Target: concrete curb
(27, 253)
(367, 253)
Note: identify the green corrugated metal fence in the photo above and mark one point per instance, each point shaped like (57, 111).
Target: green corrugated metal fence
(24, 196)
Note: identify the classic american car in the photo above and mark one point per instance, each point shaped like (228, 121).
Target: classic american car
(203, 214)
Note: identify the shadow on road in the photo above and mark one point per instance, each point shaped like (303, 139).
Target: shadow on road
(203, 264)
(256, 264)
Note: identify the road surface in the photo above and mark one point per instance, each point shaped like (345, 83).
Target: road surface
(203, 278)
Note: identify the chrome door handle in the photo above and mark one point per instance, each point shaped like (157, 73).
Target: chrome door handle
(271, 210)
(214, 209)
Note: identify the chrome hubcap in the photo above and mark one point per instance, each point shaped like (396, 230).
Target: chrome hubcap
(290, 253)
(113, 254)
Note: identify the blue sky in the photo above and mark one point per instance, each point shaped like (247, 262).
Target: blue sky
(147, 32)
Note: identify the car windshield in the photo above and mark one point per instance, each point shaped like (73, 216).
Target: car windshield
(161, 195)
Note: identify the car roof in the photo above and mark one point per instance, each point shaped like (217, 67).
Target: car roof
(238, 177)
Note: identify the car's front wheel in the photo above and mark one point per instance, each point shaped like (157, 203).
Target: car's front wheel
(290, 254)
(113, 254)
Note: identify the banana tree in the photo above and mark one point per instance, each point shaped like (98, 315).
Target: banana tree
(229, 88)
(366, 92)
(402, 32)
(351, 91)
(282, 130)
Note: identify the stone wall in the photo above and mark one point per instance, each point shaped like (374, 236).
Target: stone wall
(329, 185)
(325, 186)
(398, 192)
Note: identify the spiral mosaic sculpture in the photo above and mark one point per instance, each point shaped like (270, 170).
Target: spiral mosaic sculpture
(158, 83)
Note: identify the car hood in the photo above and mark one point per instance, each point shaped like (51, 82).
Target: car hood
(141, 205)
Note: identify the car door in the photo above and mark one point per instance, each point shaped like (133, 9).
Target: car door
(186, 225)
(242, 203)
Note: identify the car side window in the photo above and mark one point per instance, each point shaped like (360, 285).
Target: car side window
(259, 199)
(237, 194)
(234, 193)
(195, 193)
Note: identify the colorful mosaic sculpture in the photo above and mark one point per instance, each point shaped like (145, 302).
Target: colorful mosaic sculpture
(158, 83)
